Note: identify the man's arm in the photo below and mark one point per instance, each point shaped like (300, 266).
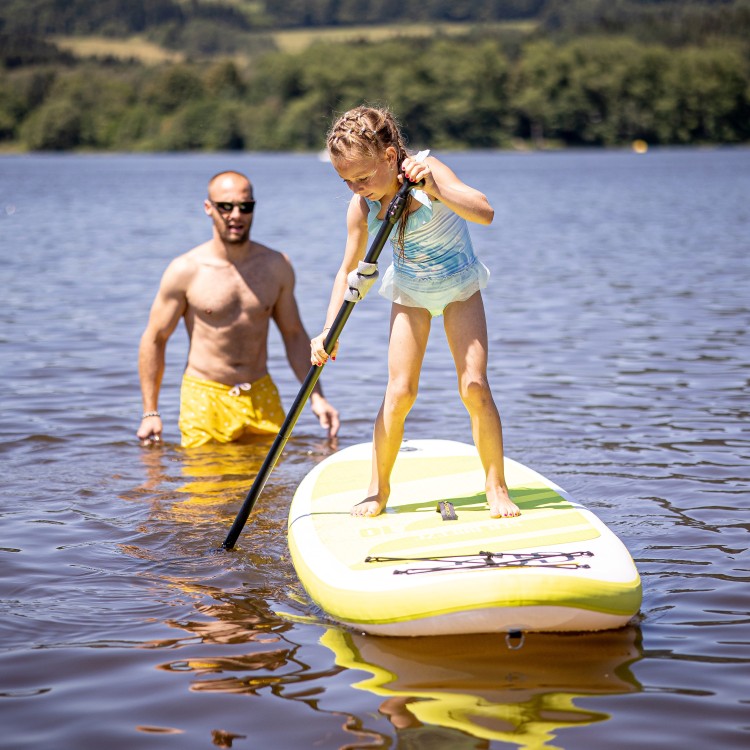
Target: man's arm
(168, 307)
(297, 345)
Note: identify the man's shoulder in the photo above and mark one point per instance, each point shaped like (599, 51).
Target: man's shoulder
(275, 260)
(198, 254)
(182, 268)
(262, 250)
(191, 256)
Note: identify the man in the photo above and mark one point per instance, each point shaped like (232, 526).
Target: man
(227, 290)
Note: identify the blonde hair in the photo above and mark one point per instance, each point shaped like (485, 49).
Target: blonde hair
(369, 131)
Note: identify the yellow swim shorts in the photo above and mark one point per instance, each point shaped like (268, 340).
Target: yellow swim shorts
(222, 413)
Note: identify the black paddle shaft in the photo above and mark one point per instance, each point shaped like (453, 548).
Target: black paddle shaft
(393, 214)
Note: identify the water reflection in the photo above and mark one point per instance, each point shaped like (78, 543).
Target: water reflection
(207, 485)
(267, 661)
(229, 638)
(214, 474)
(482, 688)
(268, 658)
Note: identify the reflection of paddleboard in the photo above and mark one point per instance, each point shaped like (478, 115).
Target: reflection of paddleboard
(477, 685)
(415, 571)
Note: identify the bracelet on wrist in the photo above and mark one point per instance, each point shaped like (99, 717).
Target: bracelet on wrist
(150, 414)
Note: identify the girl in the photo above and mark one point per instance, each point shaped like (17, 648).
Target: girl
(434, 272)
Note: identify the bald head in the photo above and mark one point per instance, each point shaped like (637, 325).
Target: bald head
(229, 181)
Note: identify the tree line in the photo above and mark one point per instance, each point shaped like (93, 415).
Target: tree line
(124, 17)
(680, 18)
(204, 27)
(479, 91)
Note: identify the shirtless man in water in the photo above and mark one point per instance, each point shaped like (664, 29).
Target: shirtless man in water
(227, 290)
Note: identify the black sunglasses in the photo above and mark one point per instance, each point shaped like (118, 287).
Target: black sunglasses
(246, 207)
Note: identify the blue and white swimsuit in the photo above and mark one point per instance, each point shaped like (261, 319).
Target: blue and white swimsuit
(438, 266)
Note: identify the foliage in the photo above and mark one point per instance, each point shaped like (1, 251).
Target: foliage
(114, 17)
(477, 91)
(179, 22)
(18, 50)
(127, 17)
(670, 22)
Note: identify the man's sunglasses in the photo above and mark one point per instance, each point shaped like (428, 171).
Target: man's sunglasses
(225, 207)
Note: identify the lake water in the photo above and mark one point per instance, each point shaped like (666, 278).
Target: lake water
(619, 310)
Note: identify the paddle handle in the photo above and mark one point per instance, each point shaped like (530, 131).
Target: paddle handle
(393, 214)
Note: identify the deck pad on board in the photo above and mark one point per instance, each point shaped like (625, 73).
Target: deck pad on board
(412, 526)
(413, 570)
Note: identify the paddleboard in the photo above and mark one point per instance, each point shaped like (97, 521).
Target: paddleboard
(435, 562)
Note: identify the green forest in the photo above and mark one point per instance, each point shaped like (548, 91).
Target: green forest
(75, 74)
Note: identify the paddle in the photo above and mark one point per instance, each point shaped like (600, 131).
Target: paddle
(393, 214)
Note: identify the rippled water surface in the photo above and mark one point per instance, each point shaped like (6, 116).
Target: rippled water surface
(619, 309)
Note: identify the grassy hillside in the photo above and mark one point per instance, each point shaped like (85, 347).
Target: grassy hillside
(131, 48)
(296, 40)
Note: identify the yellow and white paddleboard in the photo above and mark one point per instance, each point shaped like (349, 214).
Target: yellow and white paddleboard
(436, 563)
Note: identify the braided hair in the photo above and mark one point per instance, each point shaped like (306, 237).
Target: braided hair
(369, 131)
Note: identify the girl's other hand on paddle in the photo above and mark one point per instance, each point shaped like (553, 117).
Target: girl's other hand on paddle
(318, 353)
(419, 170)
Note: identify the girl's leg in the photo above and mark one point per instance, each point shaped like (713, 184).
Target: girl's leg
(466, 331)
(410, 328)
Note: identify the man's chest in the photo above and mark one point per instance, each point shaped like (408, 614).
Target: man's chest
(226, 296)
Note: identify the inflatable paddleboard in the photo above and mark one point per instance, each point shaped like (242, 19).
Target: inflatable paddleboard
(436, 563)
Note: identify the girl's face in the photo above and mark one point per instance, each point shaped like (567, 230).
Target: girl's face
(372, 177)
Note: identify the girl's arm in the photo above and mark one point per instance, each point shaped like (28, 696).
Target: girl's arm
(356, 247)
(442, 184)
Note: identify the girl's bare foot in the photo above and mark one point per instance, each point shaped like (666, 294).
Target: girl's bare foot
(370, 506)
(501, 506)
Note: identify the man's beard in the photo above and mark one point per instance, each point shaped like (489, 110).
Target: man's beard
(237, 239)
(232, 238)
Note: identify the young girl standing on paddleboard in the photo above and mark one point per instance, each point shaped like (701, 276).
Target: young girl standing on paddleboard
(434, 272)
